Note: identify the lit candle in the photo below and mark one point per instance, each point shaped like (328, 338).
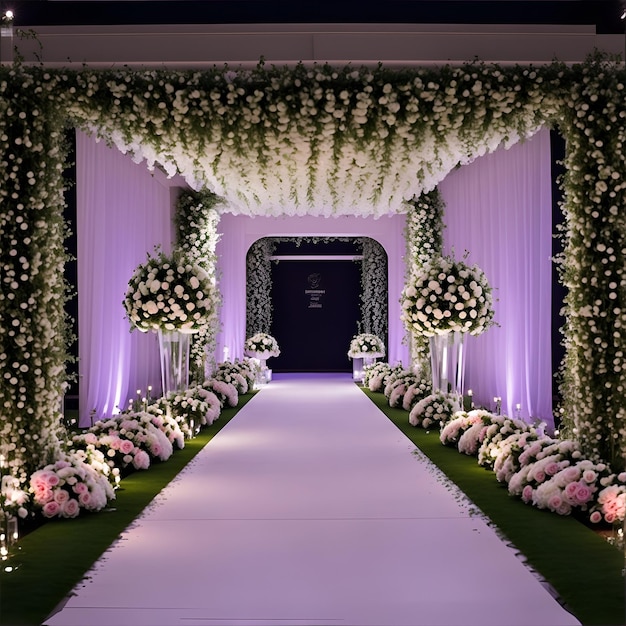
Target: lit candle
(226, 353)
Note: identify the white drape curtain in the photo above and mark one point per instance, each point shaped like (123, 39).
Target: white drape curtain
(499, 209)
(123, 211)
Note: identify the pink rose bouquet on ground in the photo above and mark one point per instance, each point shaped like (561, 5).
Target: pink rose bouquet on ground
(63, 488)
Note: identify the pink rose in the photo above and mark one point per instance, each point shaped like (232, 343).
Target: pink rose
(589, 476)
(609, 517)
(52, 479)
(552, 468)
(61, 496)
(85, 499)
(90, 438)
(71, 508)
(141, 460)
(79, 488)
(539, 476)
(583, 494)
(126, 446)
(51, 509)
(555, 502)
(564, 509)
(570, 490)
(527, 493)
(43, 494)
(595, 517)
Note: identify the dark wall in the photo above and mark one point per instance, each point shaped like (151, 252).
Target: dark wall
(316, 309)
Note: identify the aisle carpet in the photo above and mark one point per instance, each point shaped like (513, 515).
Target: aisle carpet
(310, 508)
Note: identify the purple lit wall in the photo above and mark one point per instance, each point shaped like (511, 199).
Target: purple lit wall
(240, 232)
(499, 209)
(123, 211)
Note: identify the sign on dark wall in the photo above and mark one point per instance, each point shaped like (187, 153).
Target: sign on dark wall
(316, 310)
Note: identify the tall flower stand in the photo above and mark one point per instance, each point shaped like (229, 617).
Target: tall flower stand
(263, 374)
(358, 367)
(174, 347)
(447, 362)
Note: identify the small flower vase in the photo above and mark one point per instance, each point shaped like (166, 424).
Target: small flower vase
(174, 349)
(447, 363)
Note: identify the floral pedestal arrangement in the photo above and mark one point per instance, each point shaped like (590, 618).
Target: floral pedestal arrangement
(261, 347)
(174, 349)
(447, 362)
(444, 301)
(175, 297)
(365, 348)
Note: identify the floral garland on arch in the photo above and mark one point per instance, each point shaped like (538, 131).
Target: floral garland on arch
(418, 122)
(169, 293)
(447, 296)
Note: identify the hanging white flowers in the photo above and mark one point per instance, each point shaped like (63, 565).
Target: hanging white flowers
(447, 296)
(170, 293)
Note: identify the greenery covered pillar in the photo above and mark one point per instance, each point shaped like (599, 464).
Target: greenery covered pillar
(593, 264)
(196, 220)
(424, 240)
(32, 258)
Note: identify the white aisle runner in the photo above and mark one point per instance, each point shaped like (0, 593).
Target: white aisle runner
(310, 508)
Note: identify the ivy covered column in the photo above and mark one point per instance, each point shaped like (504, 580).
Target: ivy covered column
(32, 257)
(593, 265)
(424, 240)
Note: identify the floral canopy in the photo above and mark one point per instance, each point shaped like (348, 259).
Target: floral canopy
(322, 140)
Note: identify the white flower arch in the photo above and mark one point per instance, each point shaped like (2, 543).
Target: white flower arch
(287, 141)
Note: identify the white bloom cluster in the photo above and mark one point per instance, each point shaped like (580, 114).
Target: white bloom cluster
(169, 293)
(447, 295)
(261, 346)
(366, 345)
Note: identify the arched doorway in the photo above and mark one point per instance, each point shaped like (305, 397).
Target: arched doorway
(313, 294)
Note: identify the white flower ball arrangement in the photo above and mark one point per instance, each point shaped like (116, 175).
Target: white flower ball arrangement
(447, 296)
(170, 293)
(261, 346)
(366, 345)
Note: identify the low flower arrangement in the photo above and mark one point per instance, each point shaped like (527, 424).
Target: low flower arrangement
(170, 293)
(397, 385)
(235, 375)
(431, 411)
(261, 346)
(416, 392)
(225, 392)
(547, 473)
(377, 375)
(64, 488)
(446, 296)
(366, 345)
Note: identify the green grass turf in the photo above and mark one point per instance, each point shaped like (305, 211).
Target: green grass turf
(54, 557)
(581, 566)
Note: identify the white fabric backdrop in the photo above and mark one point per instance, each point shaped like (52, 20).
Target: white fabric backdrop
(122, 213)
(499, 209)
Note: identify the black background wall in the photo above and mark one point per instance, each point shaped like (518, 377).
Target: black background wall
(316, 309)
